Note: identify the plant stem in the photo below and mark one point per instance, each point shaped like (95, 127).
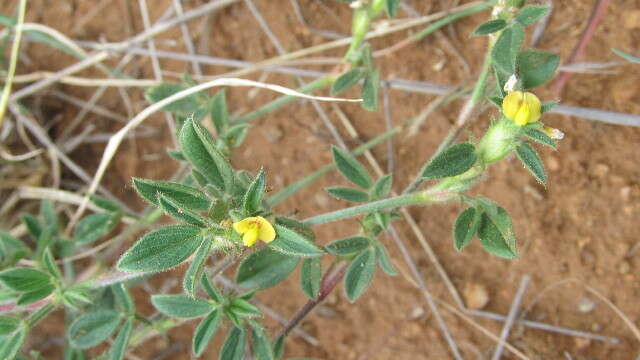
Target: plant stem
(15, 51)
(402, 200)
(329, 282)
(315, 85)
(40, 314)
(300, 184)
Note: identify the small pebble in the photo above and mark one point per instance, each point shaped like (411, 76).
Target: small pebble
(586, 305)
(625, 193)
(416, 313)
(582, 343)
(552, 163)
(601, 170)
(476, 296)
(624, 267)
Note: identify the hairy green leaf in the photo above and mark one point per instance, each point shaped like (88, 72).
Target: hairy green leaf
(531, 13)
(535, 67)
(348, 246)
(531, 160)
(454, 160)
(348, 194)
(119, 347)
(360, 274)
(292, 243)
(490, 27)
(351, 169)
(93, 328)
(93, 227)
(25, 279)
(264, 268)
(345, 81)
(506, 48)
(186, 196)
(465, 227)
(205, 331)
(310, 276)
(181, 306)
(233, 347)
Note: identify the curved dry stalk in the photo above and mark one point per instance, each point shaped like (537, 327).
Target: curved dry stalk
(13, 62)
(116, 140)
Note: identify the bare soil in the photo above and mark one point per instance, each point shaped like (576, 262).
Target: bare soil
(582, 226)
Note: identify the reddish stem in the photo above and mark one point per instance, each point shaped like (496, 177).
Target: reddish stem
(329, 282)
(597, 14)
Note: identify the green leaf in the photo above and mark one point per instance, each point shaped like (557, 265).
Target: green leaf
(535, 67)
(261, 344)
(345, 81)
(8, 325)
(164, 90)
(194, 273)
(531, 13)
(490, 27)
(541, 137)
(49, 263)
(492, 239)
(233, 347)
(198, 146)
(348, 194)
(162, 249)
(506, 48)
(384, 260)
(105, 204)
(243, 308)
(452, 161)
(219, 113)
(532, 162)
(25, 279)
(181, 306)
(465, 227)
(186, 196)
(177, 212)
(33, 225)
(33, 296)
(119, 347)
(392, 7)
(626, 56)
(252, 201)
(351, 169)
(236, 134)
(264, 268)
(382, 187)
(210, 289)
(48, 213)
(548, 105)
(278, 347)
(290, 242)
(11, 249)
(360, 274)
(205, 331)
(310, 276)
(348, 246)
(93, 328)
(11, 345)
(93, 227)
(121, 293)
(371, 89)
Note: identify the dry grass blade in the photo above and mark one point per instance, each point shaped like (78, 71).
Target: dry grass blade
(13, 62)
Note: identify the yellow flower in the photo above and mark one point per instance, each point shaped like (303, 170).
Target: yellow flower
(521, 107)
(253, 229)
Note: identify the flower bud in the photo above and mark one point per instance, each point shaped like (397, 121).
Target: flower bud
(521, 107)
(499, 140)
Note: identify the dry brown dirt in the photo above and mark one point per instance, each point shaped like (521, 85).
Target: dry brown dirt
(583, 226)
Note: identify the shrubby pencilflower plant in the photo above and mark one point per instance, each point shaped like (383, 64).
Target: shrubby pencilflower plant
(255, 228)
(218, 208)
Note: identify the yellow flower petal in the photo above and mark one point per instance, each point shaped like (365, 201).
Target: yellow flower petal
(250, 237)
(243, 226)
(521, 108)
(267, 232)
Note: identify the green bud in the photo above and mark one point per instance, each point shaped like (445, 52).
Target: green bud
(499, 141)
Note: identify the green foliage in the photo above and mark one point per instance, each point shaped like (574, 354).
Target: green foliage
(196, 268)
(531, 13)
(264, 268)
(11, 250)
(490, 27)
(360, 274)
(186, 196)
(261, 344)
(384, 261)
(93, 227)
(382, 187)
(371, 89)
(531, 160)
(119, 347)
(290, 242)
(233, 347)
(452, 161)
(205, 331)
(182, 306)
(177, 212)
(348, 194)
(11, 344)
(347, 80)
(23, 279)
(541, 137)
(348, 246)
(626, 56)
(8, 325)
(465, 227)
(506, 49)
(496, 231)
(392, 7)
(164, 90)
(535, 67)
(252, 202)
(311, 276)
(351, 169)
(219, 112)
(92, 328)
(162, 249)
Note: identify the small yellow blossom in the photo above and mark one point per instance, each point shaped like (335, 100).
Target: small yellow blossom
(521, 107)
(253, 229)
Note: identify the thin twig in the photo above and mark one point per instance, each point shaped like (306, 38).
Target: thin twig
(511, 317)
(13, 61)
